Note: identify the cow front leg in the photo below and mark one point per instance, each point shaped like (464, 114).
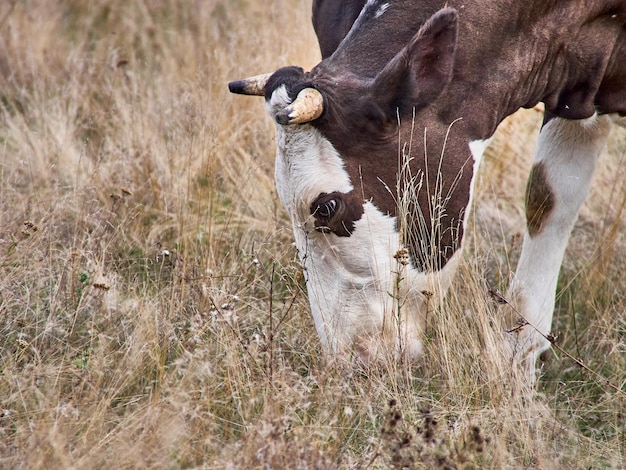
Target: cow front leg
(559, 182)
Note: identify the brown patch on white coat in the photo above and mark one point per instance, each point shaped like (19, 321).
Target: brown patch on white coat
(539, 199)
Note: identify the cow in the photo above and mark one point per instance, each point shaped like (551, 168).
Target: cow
(378, 148)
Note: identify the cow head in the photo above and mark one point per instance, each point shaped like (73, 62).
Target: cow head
(373, 227)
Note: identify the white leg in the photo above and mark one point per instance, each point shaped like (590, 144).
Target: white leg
(565, 158)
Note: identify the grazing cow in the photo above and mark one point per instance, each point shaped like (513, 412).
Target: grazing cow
(379, 143)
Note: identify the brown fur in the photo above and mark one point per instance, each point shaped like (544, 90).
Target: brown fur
(539, 199)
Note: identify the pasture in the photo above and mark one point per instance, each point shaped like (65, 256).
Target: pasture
(153, 313)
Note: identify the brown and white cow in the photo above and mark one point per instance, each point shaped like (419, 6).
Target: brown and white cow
(379, 143)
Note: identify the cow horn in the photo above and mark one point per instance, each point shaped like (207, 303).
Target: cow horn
(251, 85)
(308, 106)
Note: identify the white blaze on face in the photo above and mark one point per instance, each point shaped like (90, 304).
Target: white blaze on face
(306, 163)
(360, 292)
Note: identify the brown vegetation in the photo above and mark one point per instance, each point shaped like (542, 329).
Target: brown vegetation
(152, 310)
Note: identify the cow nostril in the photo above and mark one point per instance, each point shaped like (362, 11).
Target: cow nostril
(328, 208)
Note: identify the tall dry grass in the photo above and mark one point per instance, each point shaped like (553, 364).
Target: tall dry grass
(152, 310)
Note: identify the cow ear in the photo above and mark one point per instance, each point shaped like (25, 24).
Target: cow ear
(420, 72)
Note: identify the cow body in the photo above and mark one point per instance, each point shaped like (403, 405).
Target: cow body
(378, 184)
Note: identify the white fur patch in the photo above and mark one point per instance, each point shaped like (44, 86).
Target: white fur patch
(381, 10)
(619, 120)
(477, 147)
(362, 296)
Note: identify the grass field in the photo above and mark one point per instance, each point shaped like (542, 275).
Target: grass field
(152, 309)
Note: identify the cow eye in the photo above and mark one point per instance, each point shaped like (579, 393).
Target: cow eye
(328, 208)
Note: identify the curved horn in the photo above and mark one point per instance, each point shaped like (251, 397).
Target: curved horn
(251, 85)
(308, 106)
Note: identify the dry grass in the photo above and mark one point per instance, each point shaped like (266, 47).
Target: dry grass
(152, 312)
